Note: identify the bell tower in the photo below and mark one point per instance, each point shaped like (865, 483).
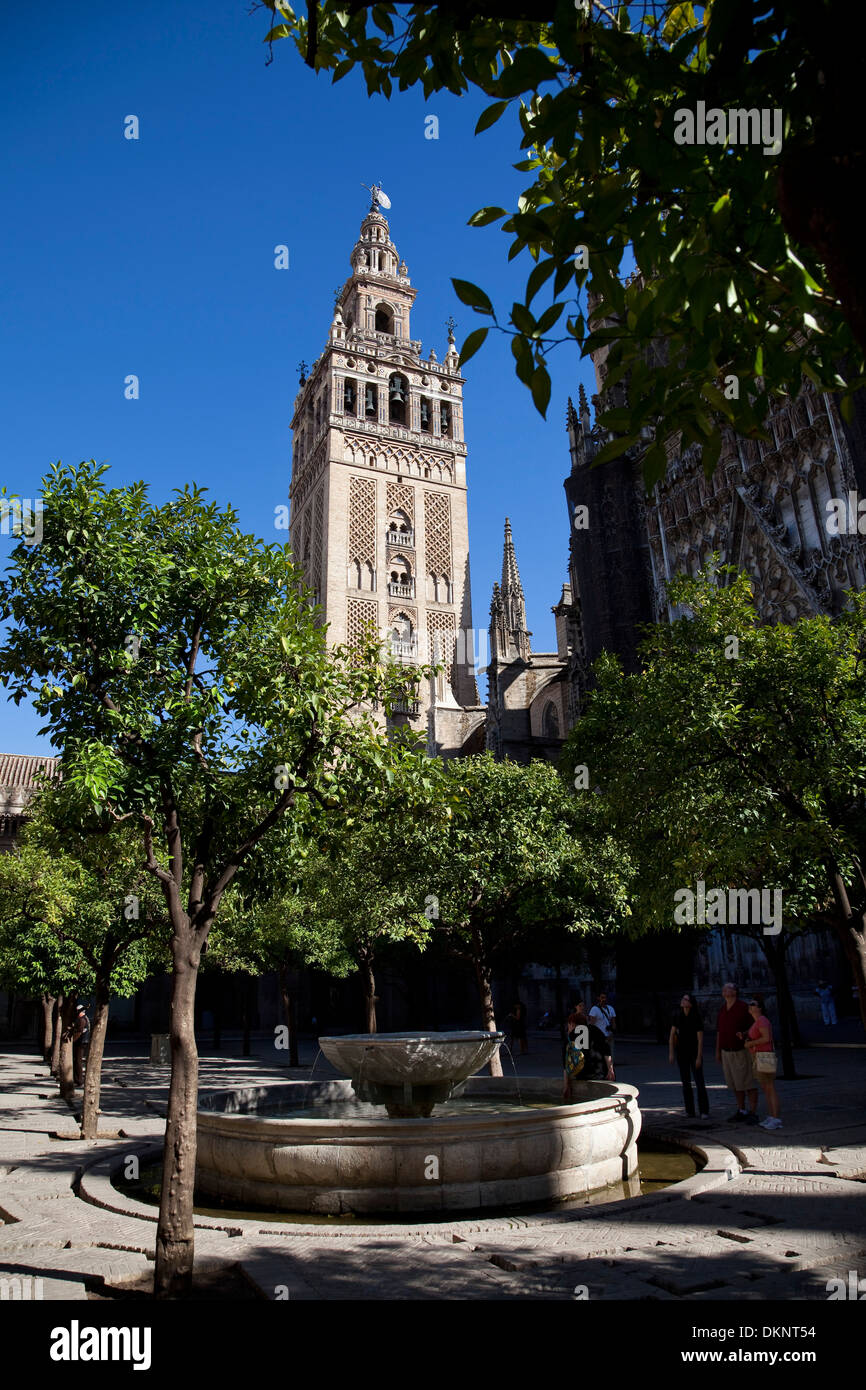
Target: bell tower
(378, 488)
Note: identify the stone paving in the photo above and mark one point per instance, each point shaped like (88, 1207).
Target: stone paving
(770, 1216)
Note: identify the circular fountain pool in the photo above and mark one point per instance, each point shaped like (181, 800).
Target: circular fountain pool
(282, 1147)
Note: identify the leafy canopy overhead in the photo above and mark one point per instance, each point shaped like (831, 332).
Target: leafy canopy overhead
(746, 259)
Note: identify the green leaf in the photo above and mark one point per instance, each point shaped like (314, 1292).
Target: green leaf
(522, 319)
(491, 115)
(548, 318)
(472, 295)
(615, 448)
(530, 68)
(540, 387)
(485, 215)
(472, 344)
(537, 276)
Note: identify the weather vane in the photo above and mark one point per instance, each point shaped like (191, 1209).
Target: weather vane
(378, 198)
(302, 370)
(450, 325)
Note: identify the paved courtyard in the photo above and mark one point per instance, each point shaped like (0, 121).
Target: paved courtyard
(770, 1216)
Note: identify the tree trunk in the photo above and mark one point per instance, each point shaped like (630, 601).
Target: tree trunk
(488, 1015)
(774, 950)
(175, 1231)
(369, 994)
(851, 929)
(67, 1029)
(290, 1015)
(57, 1029)
(48, 1002)
(93, 1069)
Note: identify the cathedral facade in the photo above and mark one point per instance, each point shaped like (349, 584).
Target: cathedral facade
(378, 491)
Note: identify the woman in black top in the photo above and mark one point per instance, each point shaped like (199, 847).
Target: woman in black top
(687, 1049)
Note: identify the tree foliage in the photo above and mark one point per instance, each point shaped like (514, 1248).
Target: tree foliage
(185, 673)
(737, 755)
(749, 261)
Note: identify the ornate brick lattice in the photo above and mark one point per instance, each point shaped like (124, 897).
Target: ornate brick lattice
(295, 538)
(316, 583)
(360, 613)
(362, 520)
(401, 499)
(437, 533)
(441, 639)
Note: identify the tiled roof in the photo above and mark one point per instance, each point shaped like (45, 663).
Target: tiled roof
(21, 770)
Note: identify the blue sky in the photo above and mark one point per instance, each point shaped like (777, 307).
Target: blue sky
(156, 257)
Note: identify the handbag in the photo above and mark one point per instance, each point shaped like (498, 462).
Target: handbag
(575, 1060)
(765, 1061)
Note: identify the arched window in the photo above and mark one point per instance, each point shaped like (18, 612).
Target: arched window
(369, 577)
(384, 319)
(400, 529)
(445, 589)
(402, 636)
(398, 395)
(353, 578)
(445, 419)
(371, 401)
(426, 416)
(400, 582)
(550, 721)
(349, 397)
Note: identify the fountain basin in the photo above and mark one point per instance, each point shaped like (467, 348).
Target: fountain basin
(409, 1073)
(451, 1161)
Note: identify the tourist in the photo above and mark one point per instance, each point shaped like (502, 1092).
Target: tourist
(80, 1035)
(515, 1027)
(603, 1015)
(732, 1024)
(759, 1041)
(586, 1055)
(828, 1003)
(687, 1050)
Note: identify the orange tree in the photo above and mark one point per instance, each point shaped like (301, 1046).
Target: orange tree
(187, 679)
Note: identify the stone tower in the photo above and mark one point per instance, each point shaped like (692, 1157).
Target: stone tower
(378, 490)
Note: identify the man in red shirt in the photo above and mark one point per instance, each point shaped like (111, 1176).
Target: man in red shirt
(733, 1022)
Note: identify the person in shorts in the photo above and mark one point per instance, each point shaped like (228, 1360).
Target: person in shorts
(760, 1039)
(732, 1024)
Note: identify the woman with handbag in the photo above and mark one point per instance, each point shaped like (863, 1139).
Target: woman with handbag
(759, 1041)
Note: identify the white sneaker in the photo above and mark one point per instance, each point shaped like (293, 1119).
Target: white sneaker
(767, 1123)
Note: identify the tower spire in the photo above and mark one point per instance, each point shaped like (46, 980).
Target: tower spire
(510, 573)
(513, 603)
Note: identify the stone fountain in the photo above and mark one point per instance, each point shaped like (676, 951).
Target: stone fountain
(409, 1073)
(376, 1142)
